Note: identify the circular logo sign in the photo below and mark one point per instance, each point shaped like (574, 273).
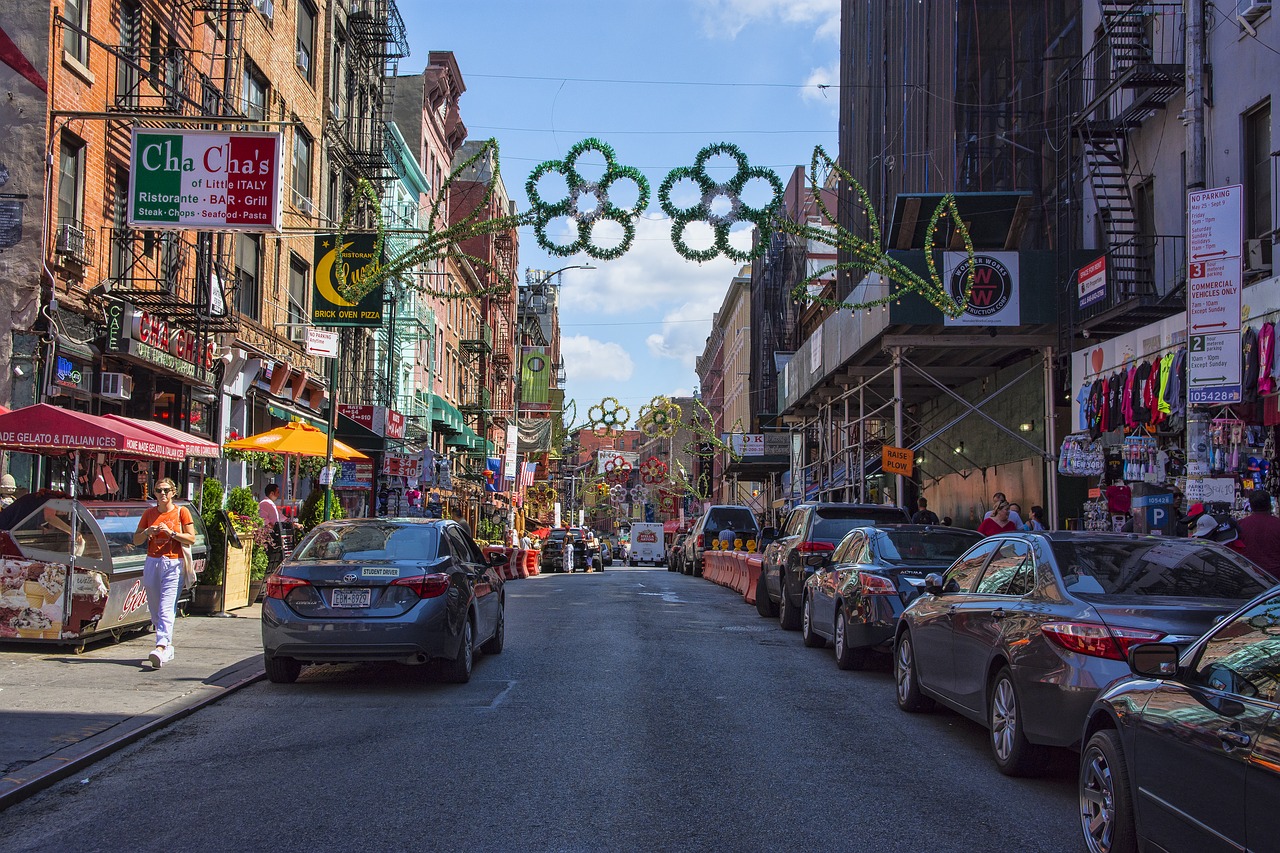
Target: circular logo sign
(992, 286)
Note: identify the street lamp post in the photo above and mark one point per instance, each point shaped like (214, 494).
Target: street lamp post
(515, 405)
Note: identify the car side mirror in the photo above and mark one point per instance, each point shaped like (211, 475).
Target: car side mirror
(933, 583)
(1154, 660)
(497, 559)
(813, 562)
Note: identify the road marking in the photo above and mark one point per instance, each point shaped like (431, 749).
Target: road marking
(669, 597)
(498, 700)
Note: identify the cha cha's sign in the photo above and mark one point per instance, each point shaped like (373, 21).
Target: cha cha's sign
(204, 180)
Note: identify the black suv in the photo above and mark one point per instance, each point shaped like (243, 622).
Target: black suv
(552, 559)
(718, 518)
(811, 529)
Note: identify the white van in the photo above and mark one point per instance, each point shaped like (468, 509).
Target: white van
(647, 547)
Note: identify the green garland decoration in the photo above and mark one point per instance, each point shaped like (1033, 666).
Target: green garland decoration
(580, 188)
(869, 256)
(660, 417)
(608, 416)
(731, 190)
(702, 426)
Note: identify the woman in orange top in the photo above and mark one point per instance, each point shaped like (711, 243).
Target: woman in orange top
(165, 527)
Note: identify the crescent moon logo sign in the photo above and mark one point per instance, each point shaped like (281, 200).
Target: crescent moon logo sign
(324, 278)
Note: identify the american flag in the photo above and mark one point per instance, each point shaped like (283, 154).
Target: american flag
(526, 473)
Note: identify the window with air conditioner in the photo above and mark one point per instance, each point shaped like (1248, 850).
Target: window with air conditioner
(1252, 10)
(266, 7)
(299, 289)
(306, 37)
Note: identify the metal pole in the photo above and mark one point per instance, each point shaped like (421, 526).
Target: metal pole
(1050, 440)
(897, 410)
(334, 367)
(862, 443)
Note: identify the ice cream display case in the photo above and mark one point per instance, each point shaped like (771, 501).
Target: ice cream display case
(106, 594)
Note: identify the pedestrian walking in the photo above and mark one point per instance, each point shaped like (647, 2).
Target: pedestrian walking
(166, 528)
(1260, 533)
(924, 515)
(999, 522)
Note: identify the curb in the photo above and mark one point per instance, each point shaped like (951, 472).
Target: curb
(70, 760)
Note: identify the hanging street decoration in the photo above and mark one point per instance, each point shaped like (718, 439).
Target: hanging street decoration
(608, 417)
(587, 202)
(618, 494)
(639, 493)
(660, 417)
(730, 193)
(653, 470)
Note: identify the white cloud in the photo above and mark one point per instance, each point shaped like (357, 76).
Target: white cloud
(825, 76)
(727, 18)
(586, 360)
(683, 337)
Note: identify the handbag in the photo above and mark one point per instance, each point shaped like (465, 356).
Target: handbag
(188, 567)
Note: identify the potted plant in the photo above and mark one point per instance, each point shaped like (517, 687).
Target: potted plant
(207, 595)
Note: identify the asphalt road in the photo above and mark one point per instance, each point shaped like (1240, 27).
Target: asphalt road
(634, 709)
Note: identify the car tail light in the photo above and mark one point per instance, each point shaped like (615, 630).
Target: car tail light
(426, 586)
(699, 542)
(279, 586)
(876, 585)
(1095, 640)
(814, 547)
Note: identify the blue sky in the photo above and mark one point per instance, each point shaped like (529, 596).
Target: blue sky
(657, 80)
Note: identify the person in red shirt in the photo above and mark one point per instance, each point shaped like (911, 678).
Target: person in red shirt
(998, 522)
(1260, 534)
(165, 527)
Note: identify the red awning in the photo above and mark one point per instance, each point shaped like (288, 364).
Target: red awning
(43, 428)
(672, 526)
(193, 445)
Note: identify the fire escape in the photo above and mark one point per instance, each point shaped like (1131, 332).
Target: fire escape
(375, 43)
(187, 277)
(1132, 71)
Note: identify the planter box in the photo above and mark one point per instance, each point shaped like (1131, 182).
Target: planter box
(237, 576)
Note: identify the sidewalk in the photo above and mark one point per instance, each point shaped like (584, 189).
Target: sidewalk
(60, 711)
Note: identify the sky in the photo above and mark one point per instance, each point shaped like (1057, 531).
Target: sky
(657, 80)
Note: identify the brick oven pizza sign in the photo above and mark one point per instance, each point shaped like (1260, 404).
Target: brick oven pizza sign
(204, 180)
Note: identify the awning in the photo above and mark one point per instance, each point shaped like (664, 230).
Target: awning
(445, 416)
(193, 445)
(292, 413)
(45, 428)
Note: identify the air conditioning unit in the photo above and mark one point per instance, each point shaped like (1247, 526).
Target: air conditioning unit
(70, 241)
(303, 61)
(304, 204)
(1257, 255)
(1251, 10)
(115, 386)
(266, 7)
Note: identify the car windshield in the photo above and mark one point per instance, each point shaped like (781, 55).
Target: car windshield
(1173, 567)
(370, 541)
(735, 518)
(935, 548)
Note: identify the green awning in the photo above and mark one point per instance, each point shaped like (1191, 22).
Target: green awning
(445, 416)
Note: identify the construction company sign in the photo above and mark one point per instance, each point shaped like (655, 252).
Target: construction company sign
(994, 299)
(204, 180)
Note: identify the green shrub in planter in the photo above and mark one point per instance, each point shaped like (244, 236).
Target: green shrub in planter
(311, 512)
(210, 504)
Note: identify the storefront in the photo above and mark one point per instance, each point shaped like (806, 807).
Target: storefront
(380, 432)
(1133, 423)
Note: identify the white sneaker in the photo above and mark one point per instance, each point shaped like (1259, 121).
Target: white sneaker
(157, 657)
(168, 653)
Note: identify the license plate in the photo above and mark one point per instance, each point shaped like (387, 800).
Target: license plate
(351, 597)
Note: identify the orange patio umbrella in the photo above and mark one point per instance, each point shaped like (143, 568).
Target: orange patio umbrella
(295, 439)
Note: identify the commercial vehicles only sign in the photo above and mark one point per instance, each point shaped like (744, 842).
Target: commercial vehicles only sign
(1214, 281)
(204, 180)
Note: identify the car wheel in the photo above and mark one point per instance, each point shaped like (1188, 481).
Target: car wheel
(458, 670)
(788, 617)
(696, 568)
(807, 634)
(493, 645)
(765, 605)
(1014, 754)
(846, 657)
(282, 670)
(910, 698)
(1106, 800)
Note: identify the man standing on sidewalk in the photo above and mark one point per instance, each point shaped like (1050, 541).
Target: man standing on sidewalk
(271, 517)
(1260, 534)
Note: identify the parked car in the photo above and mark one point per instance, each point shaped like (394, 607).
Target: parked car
(719, 517)
(676, 552)
(810, 529)
(1182, 754)
(1025, 629)
(552, 559)
(375, 589)
(606, 549)
(855, 600)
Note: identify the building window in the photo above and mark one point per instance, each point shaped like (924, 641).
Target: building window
(302, 170)
(248, 275)
(1257, 172)
(306, 38)
(298, 290)
(255, 92)
(73, 42)
(70, 180)
(338, 87)
(120, 262)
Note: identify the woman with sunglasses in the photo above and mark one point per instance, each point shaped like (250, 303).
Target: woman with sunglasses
(165, 527)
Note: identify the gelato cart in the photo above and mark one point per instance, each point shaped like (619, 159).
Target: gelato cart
(107, 595)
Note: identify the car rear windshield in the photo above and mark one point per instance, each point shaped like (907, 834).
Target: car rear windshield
(735, 518)
(1172, 568)
(830, 524)
(370, 541)
(914, 547)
